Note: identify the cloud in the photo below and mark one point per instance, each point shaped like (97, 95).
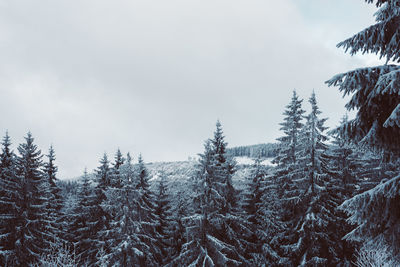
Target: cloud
(153, 76)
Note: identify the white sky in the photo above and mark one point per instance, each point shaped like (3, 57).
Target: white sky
(153, 76)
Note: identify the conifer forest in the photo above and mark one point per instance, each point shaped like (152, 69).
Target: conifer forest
(316, 196)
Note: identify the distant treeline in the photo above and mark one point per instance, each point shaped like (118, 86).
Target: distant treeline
(262, 150)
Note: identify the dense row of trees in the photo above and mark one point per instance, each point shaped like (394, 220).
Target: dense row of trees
(261, 150)
(287, 215)
(332, 199)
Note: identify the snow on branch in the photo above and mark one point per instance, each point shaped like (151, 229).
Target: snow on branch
(375, 212)
(394, 118)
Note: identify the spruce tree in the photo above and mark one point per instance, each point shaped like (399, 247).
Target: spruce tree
(286, 172)
(289, 143)
(9, 189)
(375, 95)
(111, 205)
(306, 241)
(116, 172)
(260, 213)
(126, 247)
(81, 231)
(163, 217)
(54, 199)
(101, 218)
(374, 90)
(31, 224)
(214, 230)
(146, 217)
(180, 211)
(342, 165)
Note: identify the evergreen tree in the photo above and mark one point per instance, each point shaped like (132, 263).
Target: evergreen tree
(258, 205)
(54, 198)
(82, 233)
(112, 205)
(145, 212)
(289, 143)
(214, 230)
(31, 224)
(116, 173)
(101, 219)
(375, 96)
(163, 216)
(285, 174)
(126, 247)
(342, 165)
(254, 208)
(312, 247)
(306, 240)
(9, 187)
(179, 230)
(375, 90)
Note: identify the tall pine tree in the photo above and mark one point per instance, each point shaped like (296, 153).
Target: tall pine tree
(285, 173)
(81, 231)
(9, 189)
(215, 229)
(375, 96)
(145, 210)
(31, 224)
(54, 199)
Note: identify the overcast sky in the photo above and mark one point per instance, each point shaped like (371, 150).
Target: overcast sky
(153, 76)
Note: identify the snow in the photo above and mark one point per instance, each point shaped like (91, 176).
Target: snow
(251, 161)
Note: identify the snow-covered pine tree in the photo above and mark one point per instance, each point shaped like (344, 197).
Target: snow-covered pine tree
(215, 229)
(254, 209)
(116, 173)
(126, 248)
(258, 207)
(342, 166)
(145, 212)
(289, 143)
(308, 236)
(81, 231)
(164, 218)
(179, 212)
(9, 189)
(54, 199)
(376, 97)
(375, 90)
(112, 205)
(101, 219)
(30, 235)
(285, 173)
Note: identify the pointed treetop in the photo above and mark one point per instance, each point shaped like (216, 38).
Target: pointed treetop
(140, 159)
(104, 159)
(119, 159)
(313, 101)
(6, 140)
(219, 145)
(128, 158)
(6, 145)
(52, 155)
(29, 149)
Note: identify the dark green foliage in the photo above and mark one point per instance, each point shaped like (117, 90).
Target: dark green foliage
(31, 222)
(375, 96)
(9, 186)
(145, 212)
(83, 235)
(375, 90)
(214, 230)
(163, 217)
(54, 199)
(261, 150)
(259, 207)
